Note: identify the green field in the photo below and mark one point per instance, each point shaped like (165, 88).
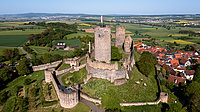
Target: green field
(42, 50)
(20, 32)
(79, 33)
(13, 40)
(129, 92)
(70, 42)
(11, 24)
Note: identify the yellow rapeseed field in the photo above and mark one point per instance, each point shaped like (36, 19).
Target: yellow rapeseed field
(84, 24)
(180, 41)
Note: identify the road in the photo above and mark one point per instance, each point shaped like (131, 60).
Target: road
(91, 105)
(26, 54)
(59, 78)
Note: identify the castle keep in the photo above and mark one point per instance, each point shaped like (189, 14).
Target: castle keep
(102, 44)
(119, 36)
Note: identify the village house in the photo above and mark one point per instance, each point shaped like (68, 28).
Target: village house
(177, 80)
(189, 74)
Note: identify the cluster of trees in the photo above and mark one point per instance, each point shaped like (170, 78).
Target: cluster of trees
(23, 68)
(191, 33)
(27, 49)
(9, 54)
(146, 63)
(5, 76)
(54, 31)
(46, 58)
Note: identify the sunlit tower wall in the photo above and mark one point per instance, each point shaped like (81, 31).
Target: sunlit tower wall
(103, 44)
(119, 36)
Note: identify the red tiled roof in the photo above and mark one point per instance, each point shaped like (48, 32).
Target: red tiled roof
(198, 60)
(181, 68)
(190, 72)
(177, 55)
(183, 61)
(175, 79)
(161, 55)
(174, 62)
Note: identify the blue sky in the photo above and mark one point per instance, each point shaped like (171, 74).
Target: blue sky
(101, 6)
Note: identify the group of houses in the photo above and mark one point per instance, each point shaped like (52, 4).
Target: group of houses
(179, 63)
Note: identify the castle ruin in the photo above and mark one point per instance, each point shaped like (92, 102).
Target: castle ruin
(119, 36)
(103, 44)
(128, 43)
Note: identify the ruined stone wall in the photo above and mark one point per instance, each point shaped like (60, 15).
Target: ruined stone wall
(101, 65)
(103, 43)
(45, 66)
(110, 75)
(58, 72)
(97, 101)
(67, 100)
(119, 36)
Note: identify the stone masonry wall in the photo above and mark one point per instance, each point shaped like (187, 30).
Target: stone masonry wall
(119, 36)
(101, 65)
(67, 100)
(103, 43)
(110, 75)
(45, 66)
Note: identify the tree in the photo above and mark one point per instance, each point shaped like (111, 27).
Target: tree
(136, 32)
(175, 107)
(8, 54)
(193, 95)
(163, 71)
(111, 100)
(188, 68)
(27, 81)
(3, 96)
(5, 75)
(170, 85)
(197, 75)
(34, 91)
(146, 63)
(115, 54)
(23, 67)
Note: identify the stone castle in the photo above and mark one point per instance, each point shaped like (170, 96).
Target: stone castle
(102, 44)
(102, 52)
(120, 36)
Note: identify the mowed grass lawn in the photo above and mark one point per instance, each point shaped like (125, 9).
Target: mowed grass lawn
(129, 92)
(42, 50)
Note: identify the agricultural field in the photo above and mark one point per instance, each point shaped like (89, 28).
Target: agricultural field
(79, 33)
(70, 42)
(17, 25)
(16, 38)
(42, 50)
(13, 40)
(129, 92)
